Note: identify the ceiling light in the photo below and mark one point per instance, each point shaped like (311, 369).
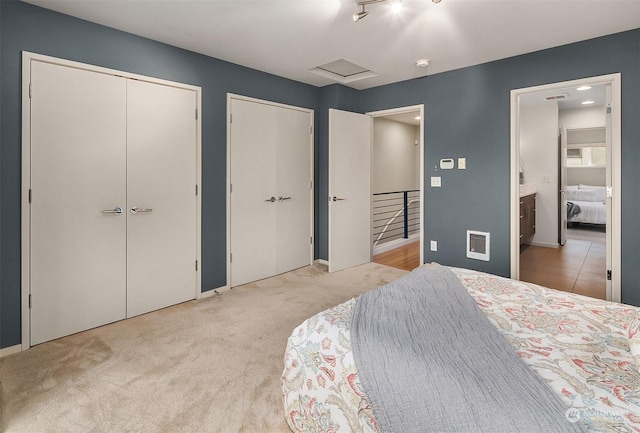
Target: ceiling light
(396, 6)
(583, 88)
(588, 102)
(358, 16)
(436, 1)
(422, 63)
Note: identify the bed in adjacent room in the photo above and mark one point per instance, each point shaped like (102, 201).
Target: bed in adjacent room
(586, 204)
(383, 363)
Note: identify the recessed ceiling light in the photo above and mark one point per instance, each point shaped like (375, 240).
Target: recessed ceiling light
(422, 63)
(588, 102)
(583, 88)
(417, 117)
(396, 6)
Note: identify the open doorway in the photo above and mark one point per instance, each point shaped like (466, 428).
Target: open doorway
(397, 179)
(565, 167)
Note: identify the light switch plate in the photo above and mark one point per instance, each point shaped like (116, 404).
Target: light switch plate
(436, 181)
(434, 245)
(462, 163)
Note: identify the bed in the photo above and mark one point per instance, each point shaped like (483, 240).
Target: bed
(586, 204)
(581, 348)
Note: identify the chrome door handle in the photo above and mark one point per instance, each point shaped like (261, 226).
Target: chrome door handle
(272, 199)
(334, 198)
(136, 209)
(283, 198)
(116, 211)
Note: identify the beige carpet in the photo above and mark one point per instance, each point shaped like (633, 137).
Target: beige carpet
(203, 366)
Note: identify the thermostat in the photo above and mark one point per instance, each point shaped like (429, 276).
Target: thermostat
(446, 164)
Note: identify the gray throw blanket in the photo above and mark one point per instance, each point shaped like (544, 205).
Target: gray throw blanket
(572, 209)
(429, 360)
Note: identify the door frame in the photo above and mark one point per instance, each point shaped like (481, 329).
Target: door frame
(25, 265)
(410, 109)
(614, 290)
(230, 97)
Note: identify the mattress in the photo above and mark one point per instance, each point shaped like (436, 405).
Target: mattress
(591, 212)
(578, 345)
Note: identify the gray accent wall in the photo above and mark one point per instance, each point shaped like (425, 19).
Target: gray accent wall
(25, 27)
(466, 115)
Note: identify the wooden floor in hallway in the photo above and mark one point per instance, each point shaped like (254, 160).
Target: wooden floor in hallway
(406, 257)
(577, 267)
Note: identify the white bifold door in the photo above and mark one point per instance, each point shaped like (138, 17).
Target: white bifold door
(270, 219)
(113, 208)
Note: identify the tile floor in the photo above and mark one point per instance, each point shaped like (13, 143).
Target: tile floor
(577, 267)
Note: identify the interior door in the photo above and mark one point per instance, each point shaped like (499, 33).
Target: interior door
(349, 189)
(293, 177)
(609, 196)
(161, 196)
(253, 191)
(562, 190)
(78, 183)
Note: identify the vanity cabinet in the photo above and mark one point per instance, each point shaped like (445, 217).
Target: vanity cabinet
(527, 218)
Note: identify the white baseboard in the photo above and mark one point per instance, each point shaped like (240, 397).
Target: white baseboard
(10, 350)
(213, 292)
(395, 244)
(543, 244)
(321, 262)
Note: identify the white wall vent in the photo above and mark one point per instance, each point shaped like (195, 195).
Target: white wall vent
(478, 245)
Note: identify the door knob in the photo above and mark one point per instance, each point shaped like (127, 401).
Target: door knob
(272, 199)
(334, 198)
(136, 209)
(116, 211)
(283, 198)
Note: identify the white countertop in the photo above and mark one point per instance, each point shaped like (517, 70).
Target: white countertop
(528, 189)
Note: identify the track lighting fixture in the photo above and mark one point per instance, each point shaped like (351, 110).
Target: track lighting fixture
(358, 16)
(397, 6)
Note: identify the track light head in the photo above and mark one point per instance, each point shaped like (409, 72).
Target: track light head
(358, 16)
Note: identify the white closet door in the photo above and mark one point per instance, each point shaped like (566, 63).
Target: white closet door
(254, 191)
(349, 189)
(161, 182)
(78, 161)
(293, 174)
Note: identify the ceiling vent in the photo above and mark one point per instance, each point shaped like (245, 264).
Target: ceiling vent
(558, 96)
(343, 71)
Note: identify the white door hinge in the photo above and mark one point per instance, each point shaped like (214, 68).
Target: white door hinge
(196, 265)
(310, 184)
(231, 118)
(30, 94)
(196, 189)
(30, 196)
(310, 129)
(230, 257)
(311, 240)
(29, 301)
(609, 191)
(196, 114)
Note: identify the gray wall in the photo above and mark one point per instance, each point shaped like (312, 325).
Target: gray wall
(466, 114)
(30, 28)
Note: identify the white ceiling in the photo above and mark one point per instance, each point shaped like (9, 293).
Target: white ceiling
(290, 37)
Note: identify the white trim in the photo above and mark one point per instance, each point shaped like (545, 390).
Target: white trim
(214, 292)
(27, 58)
(388, 246)
(321, 262)
(10, 350)
(412, 108)
(231, 96)
(545, 245)
(614, 226)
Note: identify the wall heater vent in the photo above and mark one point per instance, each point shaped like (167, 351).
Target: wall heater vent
(478, 245)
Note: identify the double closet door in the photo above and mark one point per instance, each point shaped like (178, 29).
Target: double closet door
(270, 189)
(113, 205)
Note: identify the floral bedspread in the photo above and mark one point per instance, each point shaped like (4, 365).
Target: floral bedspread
(579, 345)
